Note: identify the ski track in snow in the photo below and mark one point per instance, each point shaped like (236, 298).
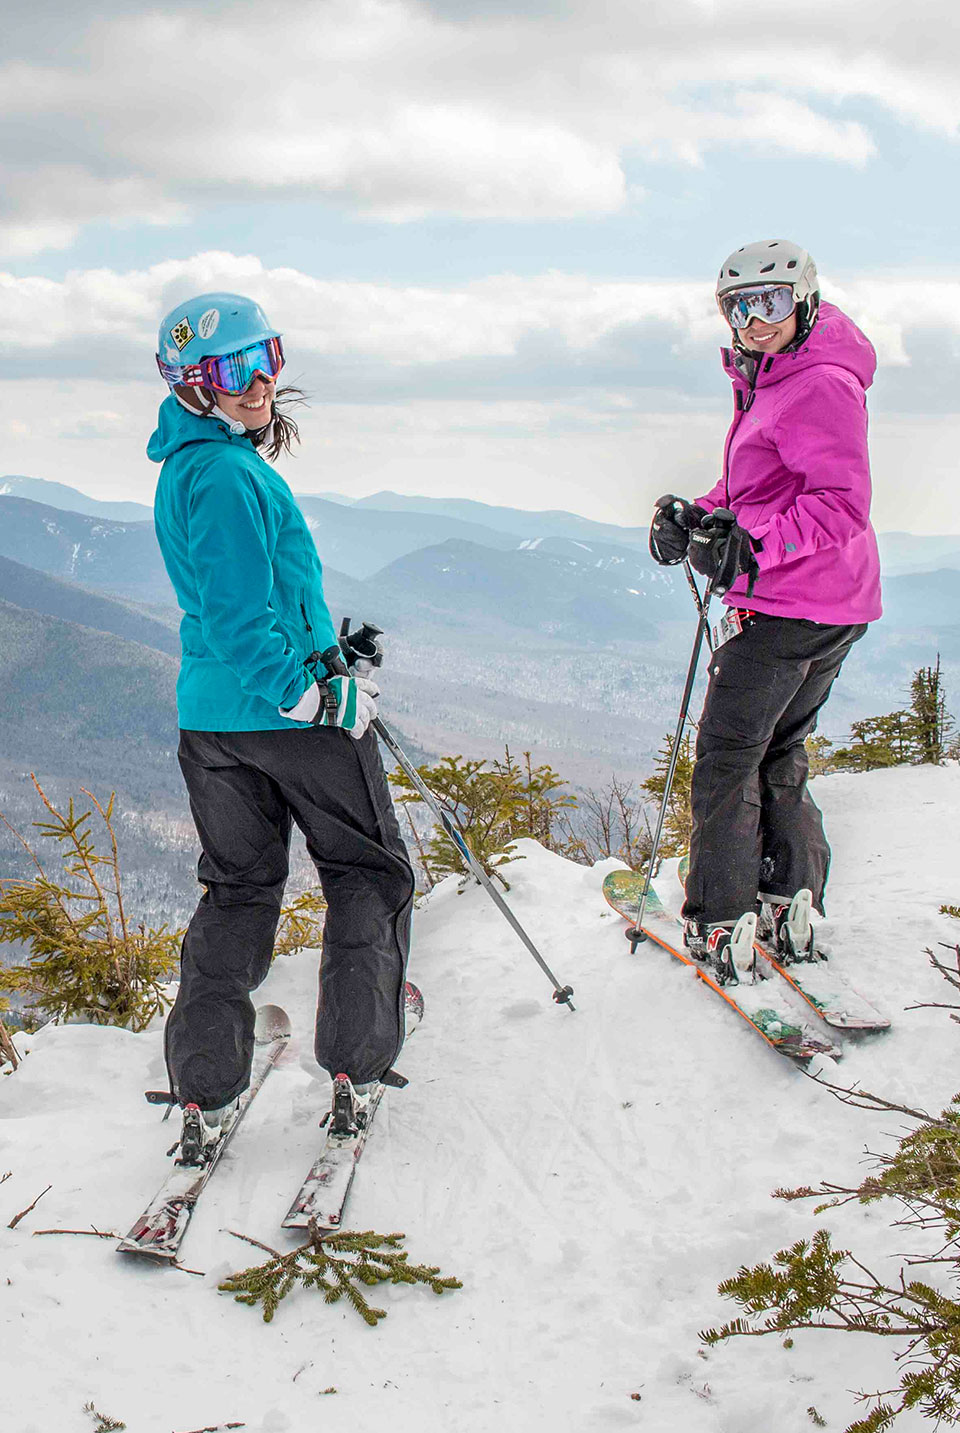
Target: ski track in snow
(590, 1177)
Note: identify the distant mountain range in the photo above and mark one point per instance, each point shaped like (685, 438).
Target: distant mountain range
(518, 521)
(30, 588)
(87, 704)
(68, 499)
(570, 643)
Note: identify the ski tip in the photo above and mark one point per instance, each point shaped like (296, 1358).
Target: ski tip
(145, 1251)
(856, 1024)
(273, 1023)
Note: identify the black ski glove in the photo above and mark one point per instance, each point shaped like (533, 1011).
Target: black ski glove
(722, 551)
(673, 521)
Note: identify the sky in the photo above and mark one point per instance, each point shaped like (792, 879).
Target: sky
(488, 232)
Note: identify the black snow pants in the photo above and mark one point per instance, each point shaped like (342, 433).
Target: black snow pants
(246, 789)
(755, 825)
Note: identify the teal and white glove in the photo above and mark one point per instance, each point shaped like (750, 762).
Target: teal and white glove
(347, 702)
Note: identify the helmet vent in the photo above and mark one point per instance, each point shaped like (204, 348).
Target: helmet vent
(766, 268)
(791, 263)
(734, 273)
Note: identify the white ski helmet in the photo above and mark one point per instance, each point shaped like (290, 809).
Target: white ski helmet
(775, 261)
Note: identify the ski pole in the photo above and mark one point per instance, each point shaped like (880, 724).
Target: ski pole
(720, 518)
(335, 665)
(692, 581)
(635, 933)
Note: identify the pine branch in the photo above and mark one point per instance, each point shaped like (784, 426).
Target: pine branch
(65, 828)
(336, 1265)
(217, 1427)
(104, 1424)
(106, 817)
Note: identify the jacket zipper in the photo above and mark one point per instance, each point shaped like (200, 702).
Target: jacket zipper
(741, 405)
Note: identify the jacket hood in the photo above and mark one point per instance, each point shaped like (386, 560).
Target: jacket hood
(176, 427)
(834, 340)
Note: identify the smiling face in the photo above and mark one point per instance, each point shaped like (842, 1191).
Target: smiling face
(762, 337)
(253, 408)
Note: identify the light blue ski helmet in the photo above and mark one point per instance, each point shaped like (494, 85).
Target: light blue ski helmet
(210, 325)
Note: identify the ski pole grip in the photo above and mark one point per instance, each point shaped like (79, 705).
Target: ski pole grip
(332, 659)
(720, 517)
(361, 644)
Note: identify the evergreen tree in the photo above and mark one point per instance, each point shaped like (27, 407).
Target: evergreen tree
(678, 821)
(876, 742)
(494, 803)
(931, 725)
(916, 736)
(88, 958)
(820, 754)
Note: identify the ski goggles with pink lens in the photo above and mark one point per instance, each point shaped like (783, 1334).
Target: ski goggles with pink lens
(771, 303)
(230, 373)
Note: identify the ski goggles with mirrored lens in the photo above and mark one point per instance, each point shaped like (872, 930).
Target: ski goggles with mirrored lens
(229, 372)
(771, 303)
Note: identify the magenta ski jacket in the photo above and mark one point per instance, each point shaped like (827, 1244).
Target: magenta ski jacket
(797, 475)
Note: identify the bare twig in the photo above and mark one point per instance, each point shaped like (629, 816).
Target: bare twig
(5, 1177)
(92, 1233)
(256, 1242)
(17, 1217)
(864, 1100)
(8, 1051)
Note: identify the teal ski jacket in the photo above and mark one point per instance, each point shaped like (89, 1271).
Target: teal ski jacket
(246, 573)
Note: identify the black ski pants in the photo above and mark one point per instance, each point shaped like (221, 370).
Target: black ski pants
(246, 789)
(755, 825)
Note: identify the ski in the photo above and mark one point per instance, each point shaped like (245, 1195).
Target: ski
(814, 977)
(159, 1231)
(766, 1012)
(323, 1194)
(818, 983)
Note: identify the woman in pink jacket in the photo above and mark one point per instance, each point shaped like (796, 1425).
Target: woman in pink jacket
(800, 576)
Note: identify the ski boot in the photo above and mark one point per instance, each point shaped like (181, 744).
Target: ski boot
(202, 1131)
(787, 926)
(348, 1111)
(727, 949)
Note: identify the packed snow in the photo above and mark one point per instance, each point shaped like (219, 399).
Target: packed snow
(590, 1177)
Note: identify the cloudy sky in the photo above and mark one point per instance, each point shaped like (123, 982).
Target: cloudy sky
(489, 231)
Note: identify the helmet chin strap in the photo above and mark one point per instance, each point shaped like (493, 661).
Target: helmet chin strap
(237, 428)
(201, 403)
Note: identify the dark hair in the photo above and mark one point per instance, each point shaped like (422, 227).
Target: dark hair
(283, 430)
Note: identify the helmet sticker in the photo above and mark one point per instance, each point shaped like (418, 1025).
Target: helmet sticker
(207, 326)
(181, 333)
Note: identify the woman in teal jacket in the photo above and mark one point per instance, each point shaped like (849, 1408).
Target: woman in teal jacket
(266, 737)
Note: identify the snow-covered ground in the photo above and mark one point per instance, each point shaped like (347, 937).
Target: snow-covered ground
(589, 1176)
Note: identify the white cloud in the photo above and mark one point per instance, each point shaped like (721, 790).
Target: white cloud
(399, 110)
(566, 454)
(402, 327)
